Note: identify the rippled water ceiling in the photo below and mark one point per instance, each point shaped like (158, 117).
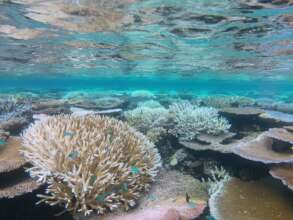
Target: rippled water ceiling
(143, 37)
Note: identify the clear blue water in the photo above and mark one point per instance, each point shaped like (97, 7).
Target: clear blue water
(190, 46)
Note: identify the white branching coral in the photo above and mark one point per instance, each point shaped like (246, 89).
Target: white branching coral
(90, 163)
(215, 185)
(149, 121)
(218, 177)
(191, 120)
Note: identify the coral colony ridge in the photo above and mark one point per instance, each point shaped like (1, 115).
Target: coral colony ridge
(146, 110)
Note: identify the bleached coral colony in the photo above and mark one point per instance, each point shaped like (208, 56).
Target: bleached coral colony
(149, 119)
(90, 163)
(191, 120)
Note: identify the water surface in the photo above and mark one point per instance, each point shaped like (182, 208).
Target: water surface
(202, 47)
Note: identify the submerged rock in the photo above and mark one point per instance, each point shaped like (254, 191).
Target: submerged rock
(260, 200)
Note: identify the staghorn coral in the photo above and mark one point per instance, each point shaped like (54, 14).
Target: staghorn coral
(191, 120)
(91, 163)
(149, 121)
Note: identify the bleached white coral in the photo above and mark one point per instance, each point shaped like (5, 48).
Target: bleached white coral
(191, 120)
(215, 185)
(90, 163)
(218, 176)
(149, 121)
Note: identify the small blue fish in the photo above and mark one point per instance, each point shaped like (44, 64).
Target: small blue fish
(2, 142)
(124, 187)
(73, 155)
(192, 205)
(151, 197)
(100, 198)
(68, 134)
(93, 179)
(135, 170)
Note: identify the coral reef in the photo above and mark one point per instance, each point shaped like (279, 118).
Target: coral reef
(142, 94)
(218, 101)
(90, 163)
(81, 112)
(191, 120)
(150, 104)
(216, 143)
(13, 180)
(283, 172)
(173, 196)
(14, 115)
(277, 118)
(241, 112)
(10, 159)
(273, 146)
(214, 183)
(261, 199)
(149, 121)
(109, 103)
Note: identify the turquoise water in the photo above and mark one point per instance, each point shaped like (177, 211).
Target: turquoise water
(201, 47)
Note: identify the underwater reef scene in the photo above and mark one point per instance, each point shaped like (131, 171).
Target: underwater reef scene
(146, 110)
